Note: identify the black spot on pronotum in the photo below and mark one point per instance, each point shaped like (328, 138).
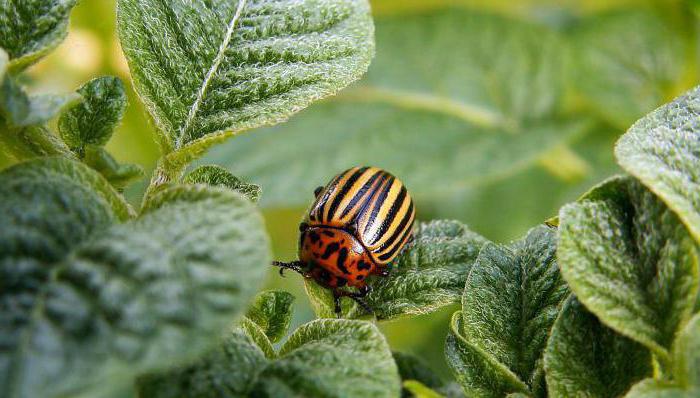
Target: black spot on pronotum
(329, 233)
(330, 249)
(342, 256)
(360, 277)
(363, 265)
(314, 236)
(340, 282)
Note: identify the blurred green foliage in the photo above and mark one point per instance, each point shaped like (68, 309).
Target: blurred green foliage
(618, 60)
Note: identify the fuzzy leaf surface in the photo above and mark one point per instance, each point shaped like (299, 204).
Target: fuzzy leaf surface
(630, 261)
(328, 357)
(663, 151)
(29, 29)
(210, 69)
(134, 297)
(480, 374)
(429, 274)
(218, 176)
(272, 311)
(584, 358)
(93, 120)
(511, 299)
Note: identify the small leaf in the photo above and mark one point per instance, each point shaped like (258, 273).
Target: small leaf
(511, 299)
(218, 176)
(479, 373)
(584, 358)
(663, 151)
(21, 110)
(135, 297)
(93, 120)
(686, 370)
(630, 261)
(651, 388)
(686, 355)
(262, 61)
(29, 29)
(322, 358)
(429, 274)
(119, 175)
(272, 311)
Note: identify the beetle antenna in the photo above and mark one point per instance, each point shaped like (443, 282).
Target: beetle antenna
(295, 266)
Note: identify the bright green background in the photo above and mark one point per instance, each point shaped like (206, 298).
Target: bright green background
(501, 210)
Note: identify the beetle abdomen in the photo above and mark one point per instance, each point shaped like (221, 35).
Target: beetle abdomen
(371, 203)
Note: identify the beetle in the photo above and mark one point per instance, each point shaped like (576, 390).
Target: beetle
(360, 221)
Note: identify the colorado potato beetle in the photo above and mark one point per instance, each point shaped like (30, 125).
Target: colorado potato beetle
(359, 222)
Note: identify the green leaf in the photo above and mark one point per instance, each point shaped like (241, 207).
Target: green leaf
(628, 63)
(511, 299)
(478, 94)
(584, 358)
(479, 373)
(360, 364)
(93, 120)
(134, 297)
(663, 151)
(321, 358)
(413, 368)
(207, 70)
(22, 133)
(650, 388)
(29, 29)
(686, 370)
(420, 390)
(69, 172)
(630, 261)
(17, 109)
(429, 274)
(229, 370)
(272, 311)
(119, 175)
(218, 176)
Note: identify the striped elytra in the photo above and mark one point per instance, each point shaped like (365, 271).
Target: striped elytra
(357, 225)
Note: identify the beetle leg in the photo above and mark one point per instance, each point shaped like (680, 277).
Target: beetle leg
(336, 300)
(317, 191)
(357, 297)
(293, 265)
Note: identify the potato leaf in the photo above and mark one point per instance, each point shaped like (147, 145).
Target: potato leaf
(478, 94)
(29, 29)
(272, 311)
(321, 358)
(208, 70)
(429, 274)
(587, 359)
(218, 176)
(93, 120)
(663, 151)
(631, 262)
(627, 63)
(511, 299)
(89, 305)
(479, 373)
